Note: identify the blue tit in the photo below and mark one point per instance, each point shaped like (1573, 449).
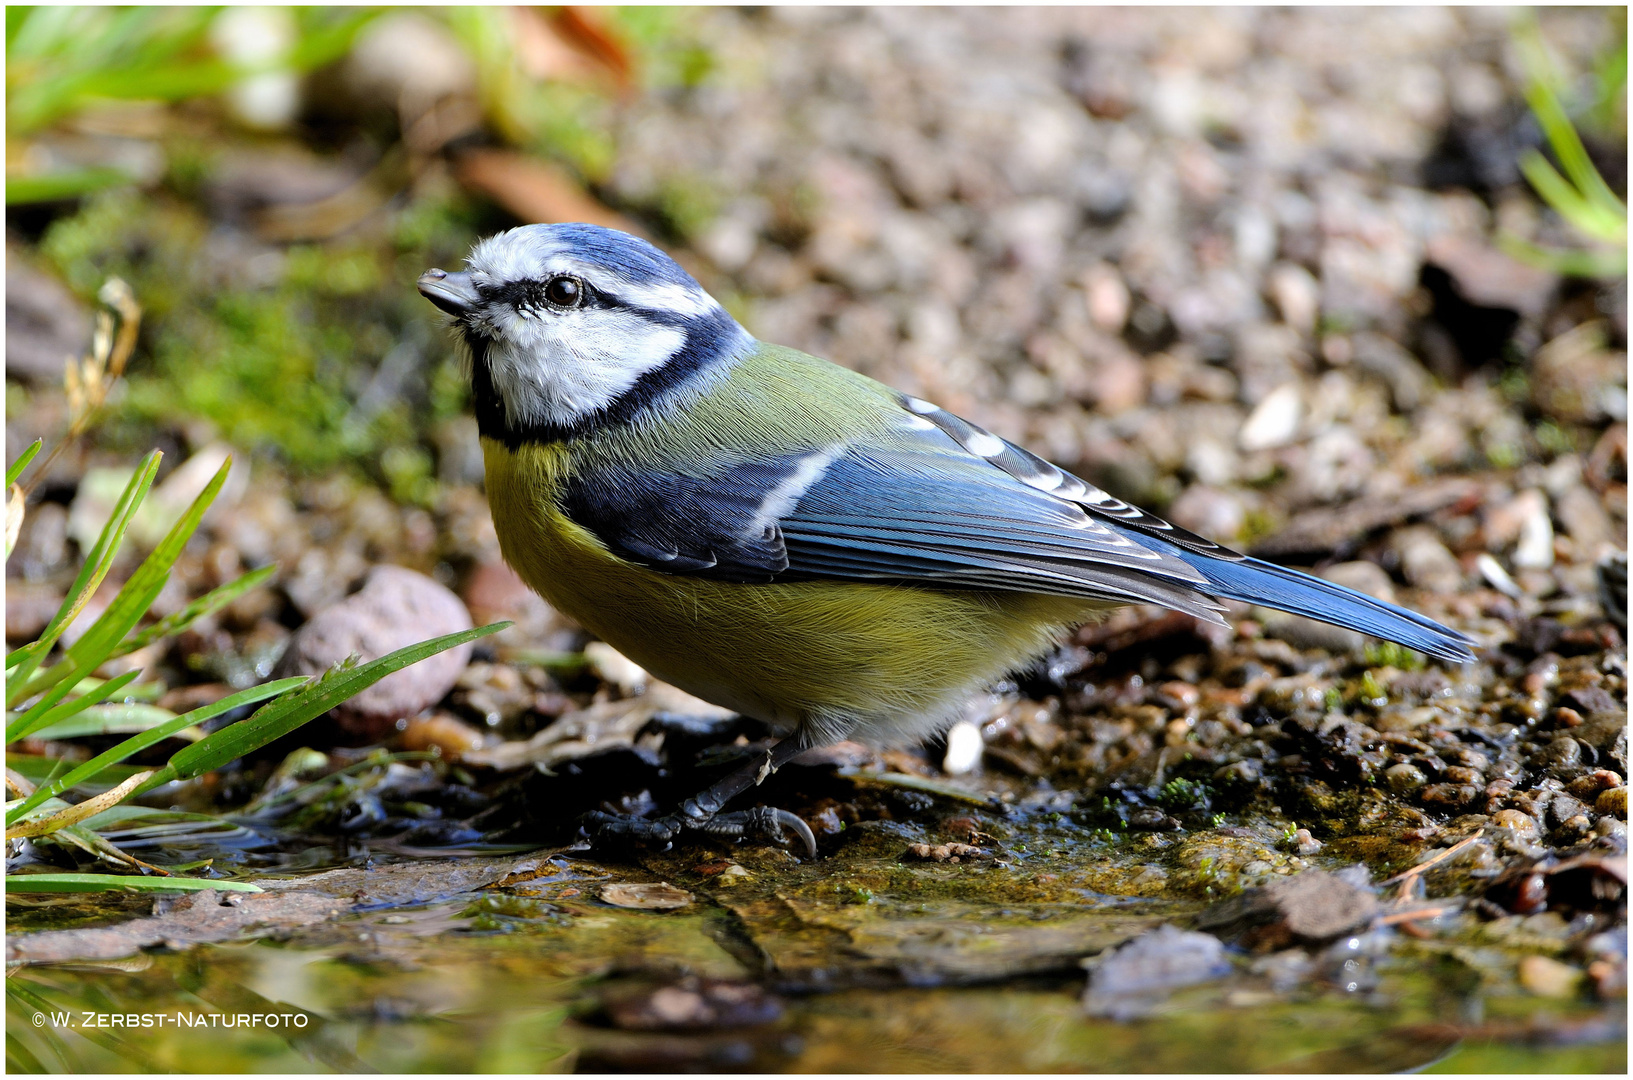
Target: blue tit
(785, 537)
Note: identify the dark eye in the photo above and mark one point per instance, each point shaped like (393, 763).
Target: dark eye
(564, 291)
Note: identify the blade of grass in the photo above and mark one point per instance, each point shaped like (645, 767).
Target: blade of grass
(101, 882)
(136, 744)
(1582, 264)
(89, 842)
(137, 595)
(41, 771)
(112, 719)
(1599, 222)
(22, 664)
(17, 467)
(76, 813)
(208, 604)
(54, 187)
(280, 717)
(47, 711)
(142, 691)
(1556, 124)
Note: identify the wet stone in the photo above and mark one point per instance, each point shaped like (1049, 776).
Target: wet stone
(395, 608)
(1561, 755)
(694, 1004)
(1449, 796)
(1312, 906)
(1131, 979)
(1404, 778)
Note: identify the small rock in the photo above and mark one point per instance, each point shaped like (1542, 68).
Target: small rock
(1563, 754)
(1523, 824)
(946, 852)
(1312, 906)
(1590, 700)
(1425, 561)
(1107, 296)
(646, 896)
(1496, 576)
(1535, 549)
(395, 608)
(1409, 384)
(1547, 977)
(1563, 809)
(443, 732)
(1404, 778)
(694, 1004)
(1297, 295)
(1304, 843)
(1451, 796)
(1612, 801)
(496, 593)
(1274, 421)
(1128, 981)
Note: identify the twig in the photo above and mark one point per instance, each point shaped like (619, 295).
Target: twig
(1407, 877)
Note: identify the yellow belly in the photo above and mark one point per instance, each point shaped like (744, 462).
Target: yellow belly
(894, 659)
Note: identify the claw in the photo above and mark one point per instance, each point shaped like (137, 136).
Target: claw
(767, 821)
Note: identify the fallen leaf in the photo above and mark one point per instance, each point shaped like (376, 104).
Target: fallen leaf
(534, 190)
(77, 813)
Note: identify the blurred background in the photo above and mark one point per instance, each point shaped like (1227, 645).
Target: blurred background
(1231, 263)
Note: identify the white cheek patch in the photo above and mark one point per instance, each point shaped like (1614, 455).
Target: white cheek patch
(557, 368)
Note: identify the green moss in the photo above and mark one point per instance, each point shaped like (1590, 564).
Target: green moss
(1389, 654)
(277, 363)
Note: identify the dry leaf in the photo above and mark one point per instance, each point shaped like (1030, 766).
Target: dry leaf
(534, 190)
(77, 813)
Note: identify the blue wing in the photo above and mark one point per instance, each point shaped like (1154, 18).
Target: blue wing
(942, 503)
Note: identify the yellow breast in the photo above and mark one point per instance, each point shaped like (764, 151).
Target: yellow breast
(893, 658)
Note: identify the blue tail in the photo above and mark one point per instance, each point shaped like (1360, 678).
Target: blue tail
(1256, 582)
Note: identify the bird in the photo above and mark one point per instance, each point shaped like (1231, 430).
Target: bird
(788, 538)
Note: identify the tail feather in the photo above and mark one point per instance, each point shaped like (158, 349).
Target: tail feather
(1255, 582)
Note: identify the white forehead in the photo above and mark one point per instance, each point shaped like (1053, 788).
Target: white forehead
(629, 269)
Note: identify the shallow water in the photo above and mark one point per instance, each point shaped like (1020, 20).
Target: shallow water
(874, 966)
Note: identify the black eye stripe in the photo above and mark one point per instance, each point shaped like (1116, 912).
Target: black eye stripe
(534, 295)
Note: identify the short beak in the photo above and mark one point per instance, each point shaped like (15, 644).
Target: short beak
(453, 293)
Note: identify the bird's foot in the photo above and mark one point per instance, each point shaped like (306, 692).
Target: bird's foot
(765, 822)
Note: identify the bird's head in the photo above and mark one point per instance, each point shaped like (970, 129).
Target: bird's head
(570, 326)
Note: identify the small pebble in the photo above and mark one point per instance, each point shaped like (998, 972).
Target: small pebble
(1612, 801)
(1404, 778)
(1547, 977)
(1274, 421)
(1523, 824)
(945, 852)
(1304, 843)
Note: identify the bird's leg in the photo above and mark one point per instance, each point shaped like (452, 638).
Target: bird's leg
(702, 813)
